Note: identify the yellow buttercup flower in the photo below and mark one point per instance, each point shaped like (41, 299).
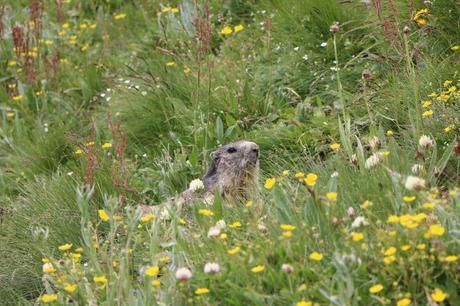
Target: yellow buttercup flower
(409, 199)
(206, 212)
(287, 227)
(389, 259)
(287, 234)
(103, 215)
(376, 288)
(119, 16)
(331, 196)
(436, 230)
(451, 258)
(238, 28)
(234, 250)
(393, 219)
(304, 303)
(389, 133)
(316, 256)
(100, 279)
(48, 298)
(310, 180)
(258, 269)
(235, 224)
(70, 288)
(226, 30)
(357, 236)
(455, 48)
(172, 63)
(65, 247)
(152, 271)
(334, 146)
(406, 247)
(298, 174)
(147, 218)
(403, 302)
(390, 251)
(427, 113)
(269, 183)
(201, 291)
(156, 283)
(438, 295)
(107, 145)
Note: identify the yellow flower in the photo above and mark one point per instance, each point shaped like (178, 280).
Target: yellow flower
(258, 268)
(17, 98)
(45, 260)
(165, 9)
(389, 133)
(393, 219)
(78, 152)
(48, 268)
(298, 174)
(171, 63)
(200, 291)
(226, 30)
(449, 128)
(156, 283)
(238, 28)
(376, 288)
(403, 302)
(310, 180)
(235, 224)
(174, 10)
(287, 227)
(119, 16)
(357, 236)
(47, 298)
(206, 212)
(427, 113)
(450, 258)
(187, 70)
(269, 183)
(406, 247)
(152, 271)
(438, 295)
(436, 230)
(248, 203)
(223, 236)
(316, 256)
(334, 146)
(429, 205)
(426, 103)
(331, 196)
(366, 204)
(147, 218)
(389, 259)
(421, 246)
(100, 279)
(164, 258)
(234, 250)
(103, 215)
(421, 21)
(12, 63)
(70, 288)
(447, 83)
(65, 247)
(455, 48)
(390, 251)
(285, 172)
(304, 303)
(84, 47)
(287, 234)
(182, 221)
(107, 145)
(409, 199)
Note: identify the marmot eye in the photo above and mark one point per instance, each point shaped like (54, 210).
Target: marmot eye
(231, 150)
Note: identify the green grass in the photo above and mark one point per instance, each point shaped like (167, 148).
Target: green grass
(274, 82)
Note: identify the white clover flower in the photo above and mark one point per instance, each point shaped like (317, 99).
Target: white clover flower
(425, 141)
(359, 221)
(183, 274)
(324, 44)
(372, 161)
(414, 183)
(221, 224)
(211, 267)
(374, 142)
(417, 168)
(213, 231)
(196, 185)
(287, 268)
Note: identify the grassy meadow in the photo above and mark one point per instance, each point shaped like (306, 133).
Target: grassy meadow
(106, 105)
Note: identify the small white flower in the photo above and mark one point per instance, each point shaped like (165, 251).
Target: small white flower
(359, 221)
(372, 161)
(414, 183)
(324, 44)
(305, 57)
(287, 268)
(196, 185)
(417, 168)
(211, 267)
(374, 142)
(221, 224)
(213, 231)
(335, 174)
(144, 93)
(425, 141)
(350, 211)
(296, 49)
(183, 274)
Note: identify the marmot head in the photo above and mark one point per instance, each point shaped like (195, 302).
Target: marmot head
(234, 169)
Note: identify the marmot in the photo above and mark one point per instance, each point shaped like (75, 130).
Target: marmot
(233, 172)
